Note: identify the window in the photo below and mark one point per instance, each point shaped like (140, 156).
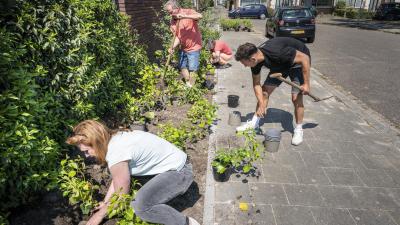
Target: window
(296, 13)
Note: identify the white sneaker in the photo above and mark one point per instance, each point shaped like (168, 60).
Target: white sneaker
(248, 125)
(297, 137)
(192, 221)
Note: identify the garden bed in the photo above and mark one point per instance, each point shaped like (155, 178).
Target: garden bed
(53, 208)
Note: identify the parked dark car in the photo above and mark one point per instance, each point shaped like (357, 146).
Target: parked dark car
(388, 11)
(252, 10)
(297, 22)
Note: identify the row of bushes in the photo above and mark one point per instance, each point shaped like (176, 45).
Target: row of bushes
(236, 24)
(353, 13)
(341, 9)
(61, 62)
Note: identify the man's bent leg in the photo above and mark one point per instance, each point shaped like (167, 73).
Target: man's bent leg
(297, 100)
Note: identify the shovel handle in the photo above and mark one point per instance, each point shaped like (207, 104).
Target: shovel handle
(295, 85)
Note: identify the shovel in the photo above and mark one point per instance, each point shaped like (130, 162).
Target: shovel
(280, 77)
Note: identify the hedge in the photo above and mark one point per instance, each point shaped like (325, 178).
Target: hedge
(62, 61)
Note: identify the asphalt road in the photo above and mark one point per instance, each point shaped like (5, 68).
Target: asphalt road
(363, 62)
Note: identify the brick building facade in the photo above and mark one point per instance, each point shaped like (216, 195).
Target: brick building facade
(143, 14)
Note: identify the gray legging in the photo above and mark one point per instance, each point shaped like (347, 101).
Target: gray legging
(150, 200)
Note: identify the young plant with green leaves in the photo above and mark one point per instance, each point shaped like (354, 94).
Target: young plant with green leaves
(120, 207)
(202, 113)
(223, 160)
(175, 135)
(75, 186)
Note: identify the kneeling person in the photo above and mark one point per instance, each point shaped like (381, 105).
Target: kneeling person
(221, 53)
(284, 55)
(138, 153)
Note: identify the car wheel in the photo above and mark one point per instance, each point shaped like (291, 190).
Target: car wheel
(311, 39)
(262, 16)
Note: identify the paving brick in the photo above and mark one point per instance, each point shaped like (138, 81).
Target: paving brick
(346, 160)
(395, 215)
(342, 176)
(231, 191)
(307, 175)
(376, 178)
(285, 158)
(316, 159)
(368, 217)
(339, 197)
(332, 216)
(256, 215)
(268, 194)
(395, 193)
(303, 147)
(278, 174)
(293, 215)
(253, 176)
(348, 147)
(224, 214)
(394, 175)
(375, 198)
(303, 195)
(325, 146)
(374, 161)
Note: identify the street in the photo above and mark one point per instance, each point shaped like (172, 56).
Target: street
(364, 62)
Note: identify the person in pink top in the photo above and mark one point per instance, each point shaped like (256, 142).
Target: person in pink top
(188, 36)
(221, 53)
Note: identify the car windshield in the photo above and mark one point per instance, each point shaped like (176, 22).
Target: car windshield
(296, 13)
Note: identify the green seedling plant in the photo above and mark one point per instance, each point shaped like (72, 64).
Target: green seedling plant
(250, 152)
(223, 160)
(202, 113)
(175, 135)
(73, 184)
(120, 207)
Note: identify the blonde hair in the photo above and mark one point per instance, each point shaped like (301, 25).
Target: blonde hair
(94, 134)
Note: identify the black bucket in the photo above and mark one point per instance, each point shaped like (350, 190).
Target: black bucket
(233, 101)
(222, 177)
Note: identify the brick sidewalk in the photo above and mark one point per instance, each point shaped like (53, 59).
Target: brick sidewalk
(346, 172)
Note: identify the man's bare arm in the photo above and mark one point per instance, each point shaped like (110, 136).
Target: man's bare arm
(304, 60)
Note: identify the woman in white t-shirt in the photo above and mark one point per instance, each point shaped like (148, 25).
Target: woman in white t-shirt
(138, 153)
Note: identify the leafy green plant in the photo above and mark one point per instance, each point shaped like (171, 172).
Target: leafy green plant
(73, 184)
(175, 135)
(120, 207)
(223, 160)
(243, 156)
(202, 113)
(247, 23)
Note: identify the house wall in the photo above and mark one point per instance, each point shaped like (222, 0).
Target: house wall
(143, 14)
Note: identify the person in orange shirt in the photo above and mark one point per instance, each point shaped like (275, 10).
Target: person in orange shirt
(188, 36)
(221, 53)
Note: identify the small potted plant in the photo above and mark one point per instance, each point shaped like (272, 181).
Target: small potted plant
(222, 165)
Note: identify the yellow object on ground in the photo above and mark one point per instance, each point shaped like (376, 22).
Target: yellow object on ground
(243, 206)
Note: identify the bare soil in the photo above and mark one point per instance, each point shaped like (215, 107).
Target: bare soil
(52, 208)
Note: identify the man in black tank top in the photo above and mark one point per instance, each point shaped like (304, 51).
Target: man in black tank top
(284, 55)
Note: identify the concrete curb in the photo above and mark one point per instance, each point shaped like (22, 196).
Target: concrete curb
(209, 195)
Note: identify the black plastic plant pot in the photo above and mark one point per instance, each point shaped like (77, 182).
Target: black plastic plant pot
(233, 101)
(222, 177)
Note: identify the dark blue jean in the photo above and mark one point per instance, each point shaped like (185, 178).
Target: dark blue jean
(150, 200)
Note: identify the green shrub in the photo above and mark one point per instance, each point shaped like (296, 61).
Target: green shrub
(351, 13)
(202, 113)
(340, 5)
(62, 62)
